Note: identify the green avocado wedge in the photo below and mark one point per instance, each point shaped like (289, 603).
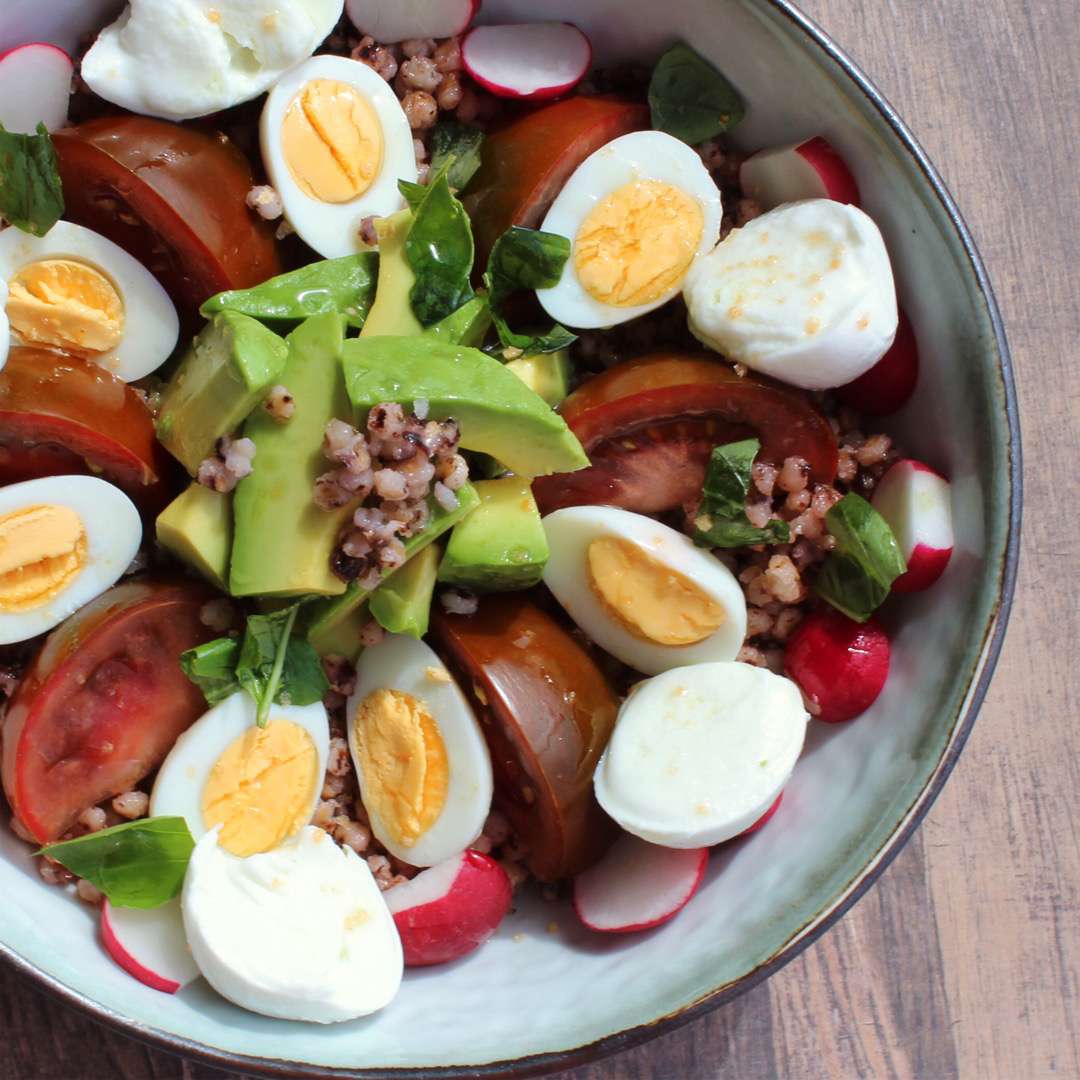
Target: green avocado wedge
(392, 313)
(547, 374)
(497, 413)
(402, 603)
(466, 326)
(196, 527)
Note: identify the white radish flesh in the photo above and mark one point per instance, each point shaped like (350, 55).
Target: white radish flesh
(527, 60)
(35, 87)
(808, 170)
(389, 21)
(149, 945)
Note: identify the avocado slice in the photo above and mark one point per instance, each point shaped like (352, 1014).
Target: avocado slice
(345, 285)
(502, 545)
(402, 603)
(196, 527)
(222, 377)
(392, 314)
(466, 326)
(282, 541)
(546, 374)
(498, 414)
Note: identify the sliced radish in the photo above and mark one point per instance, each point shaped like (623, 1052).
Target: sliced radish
(35, 86)
(527, 60)
(808, 170)
(637, 885)
(764, 817)
(887, 386)
(388, 21)
(450, 909)
(916, 503)
(840, 665)
(150, 945)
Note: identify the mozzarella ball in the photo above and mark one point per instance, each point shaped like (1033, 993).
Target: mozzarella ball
(179, 59)
(259, 785)
(804, 293)
(642, 591)
(638, 212)
(299, 933)
(63, 541)
(335, 142)
(421, 760)
(700, 753)
(74, 290)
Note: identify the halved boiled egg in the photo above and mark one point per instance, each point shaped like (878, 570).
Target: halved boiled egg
(5, 326)
(642, 591)
(258, 785)
(63, 541)
(421, 759)
(335, 142)
(638, 212)
(72, 289)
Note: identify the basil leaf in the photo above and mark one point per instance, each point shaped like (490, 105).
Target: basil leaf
(526, 259)
(858, 574)
(690, 99)
(461, 143)
(439, 248)
(140, 864)
(31, 196)
(212, 668)
(413, 194)
(303, 681)
(721, 520)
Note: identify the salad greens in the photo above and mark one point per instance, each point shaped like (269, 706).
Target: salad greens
(31, 196)
(690, 99)
(857, 575)
(460, 145)
(721, 519)
(139, 864)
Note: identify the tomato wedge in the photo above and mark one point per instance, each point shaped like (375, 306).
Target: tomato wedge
(61, 415)
(525, 164)
(547, 712)
(649, 425)
(173, 197)
(102, 703)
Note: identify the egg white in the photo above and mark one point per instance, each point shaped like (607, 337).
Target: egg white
(402, 663)
(570, 532)
(641, 155)
(5, 327)
(333, 229)
(151, 326)
(113, 534)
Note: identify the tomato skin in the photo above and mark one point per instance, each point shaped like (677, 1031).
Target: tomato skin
(649, 426)
(547, 712)
(102, 703)
(172, 196)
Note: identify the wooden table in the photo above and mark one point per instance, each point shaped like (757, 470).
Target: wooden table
(963, 960)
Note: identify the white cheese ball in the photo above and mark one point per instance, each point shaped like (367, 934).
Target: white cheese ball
(804, 293)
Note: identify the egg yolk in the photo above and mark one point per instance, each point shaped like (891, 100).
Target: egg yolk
(260, 790)
(403, 763)
(637, 243)
(652, 600)
(332, 141)
(67, 304)
(42, 551)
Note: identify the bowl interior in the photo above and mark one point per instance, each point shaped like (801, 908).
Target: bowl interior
(544, 986)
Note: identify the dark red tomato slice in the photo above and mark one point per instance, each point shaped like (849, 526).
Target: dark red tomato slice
(173, 197)
(524, 165)
(102, 703)
(547, 712)
(649, 425)
(60, 414)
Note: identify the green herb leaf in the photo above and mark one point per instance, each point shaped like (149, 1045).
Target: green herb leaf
(139, 864)
(413, 194)
(212, 668)
(526, 259)
(690, 99)
(31, 196)
(858, 574)
(721, 519)
(460, 145)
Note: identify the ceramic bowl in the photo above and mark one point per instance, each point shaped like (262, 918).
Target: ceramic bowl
(533, 999)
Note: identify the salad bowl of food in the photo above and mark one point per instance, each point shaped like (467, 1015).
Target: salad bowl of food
(504, 525)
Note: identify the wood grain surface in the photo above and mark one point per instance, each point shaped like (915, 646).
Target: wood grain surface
(962, 961)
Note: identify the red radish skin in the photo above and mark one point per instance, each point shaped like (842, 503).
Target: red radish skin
(808, 170)
(35, 85)
(527, 61)
(637, 885)
(889, 384)
(389, 21)
(840, 665)
(149, 945)
(916, 502)
(451, 909)
(764, 817)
